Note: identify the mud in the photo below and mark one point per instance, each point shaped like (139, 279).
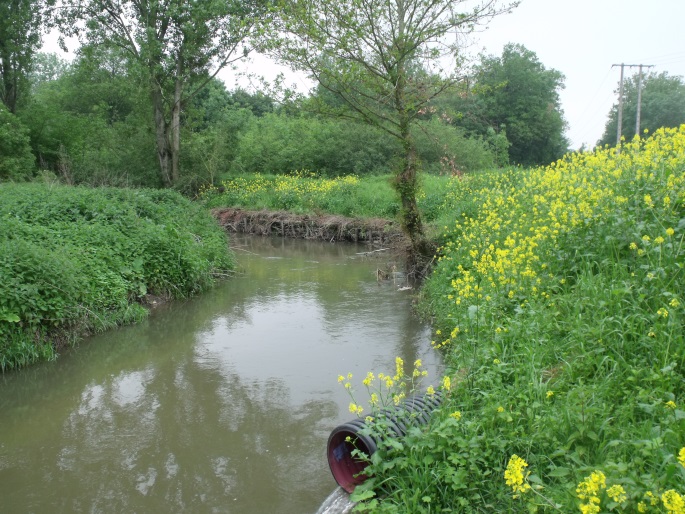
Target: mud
(331, 228)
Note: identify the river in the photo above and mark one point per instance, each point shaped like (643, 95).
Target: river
(222, 403)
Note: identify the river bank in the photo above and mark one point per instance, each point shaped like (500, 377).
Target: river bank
(326, 227)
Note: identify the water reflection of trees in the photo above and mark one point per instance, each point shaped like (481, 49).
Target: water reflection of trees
(155, 417)
(182, 436)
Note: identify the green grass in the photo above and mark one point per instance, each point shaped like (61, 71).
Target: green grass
(306, 193)
(75, 260)
(558, 301)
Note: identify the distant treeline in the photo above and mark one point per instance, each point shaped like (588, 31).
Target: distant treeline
(89, 122)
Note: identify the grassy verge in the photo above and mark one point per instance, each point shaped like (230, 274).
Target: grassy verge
(558, 299)
(305, 193)
(76, 260)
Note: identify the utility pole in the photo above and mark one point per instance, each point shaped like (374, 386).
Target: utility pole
(639, 97)
(620, 107)
(620, 100)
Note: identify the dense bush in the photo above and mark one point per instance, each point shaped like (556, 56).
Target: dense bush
(277, 143)
(444, 149)
(16, 160)
(77, 259)
(280, 144)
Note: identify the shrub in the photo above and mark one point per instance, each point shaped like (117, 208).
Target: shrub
(74, 259)
(16, 160)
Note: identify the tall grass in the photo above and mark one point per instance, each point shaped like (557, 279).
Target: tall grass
(558, 300)
(306, 192)
(78, 259)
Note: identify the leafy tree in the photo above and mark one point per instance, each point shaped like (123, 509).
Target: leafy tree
(178, 48)
(370, 55)
(16, 160)
(90, 125)
(46, 67)
(662, 105)
(20, 26)
(515, 92)
(258, 102)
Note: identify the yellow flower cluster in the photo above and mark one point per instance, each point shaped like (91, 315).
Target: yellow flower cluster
(384, 389)
(617, 493)
(514, 476)
(506, 249)
(673, 502)
(302, 184)
(589, 490)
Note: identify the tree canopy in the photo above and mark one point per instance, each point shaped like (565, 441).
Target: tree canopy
(515, 94)
(177, 46)
(385, 61)
(662, 105)
(21, 22)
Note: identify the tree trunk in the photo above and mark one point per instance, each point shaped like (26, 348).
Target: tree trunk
(9, 82)
(164, 152)
(406, 181)
(406, 184)
(176, 132)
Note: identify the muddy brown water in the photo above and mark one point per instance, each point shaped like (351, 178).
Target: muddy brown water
(222, 403)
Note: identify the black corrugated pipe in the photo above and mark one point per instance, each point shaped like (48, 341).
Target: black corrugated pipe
(360, 435)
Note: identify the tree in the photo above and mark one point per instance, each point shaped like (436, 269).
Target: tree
(90, 123)
(178, 47)
(20, 26)
(662, 105)
(46, 67)
(517, 93)
(16, 160)
(371, 55)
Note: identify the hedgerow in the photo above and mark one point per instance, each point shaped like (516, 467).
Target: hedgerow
(75, 260)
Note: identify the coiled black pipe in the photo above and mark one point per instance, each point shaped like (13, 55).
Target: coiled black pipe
(347, 469)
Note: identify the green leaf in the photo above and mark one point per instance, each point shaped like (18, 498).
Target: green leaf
(10, 317)
(560, 472)
(360, 495)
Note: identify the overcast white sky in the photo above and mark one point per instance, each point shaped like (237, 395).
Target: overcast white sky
(581, 39)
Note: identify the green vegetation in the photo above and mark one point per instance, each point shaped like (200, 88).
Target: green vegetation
(77, 260)
(16, 160)
(305, 192)
(515, 96)
(662, 104)
(558, 301)
(373, 60)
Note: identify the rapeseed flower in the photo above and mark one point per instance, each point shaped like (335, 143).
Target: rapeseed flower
(673, 501)
(591, 486)
(617, 493)
(356, 409)
(514, 476)
(446, 383)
